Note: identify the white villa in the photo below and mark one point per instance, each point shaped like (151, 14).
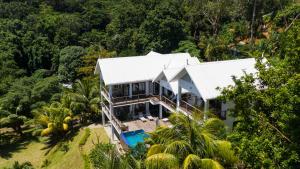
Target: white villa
(135, 90)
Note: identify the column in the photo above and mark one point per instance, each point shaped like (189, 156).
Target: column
(206, 109)
(147, 108)
(110, 100)
(160, 111)
(160, 91)
(112, 133)
(130, 96)
(178, 97)
(147, 88)
(103, 118)
(147, 93)
(111, 109)
(160, 96)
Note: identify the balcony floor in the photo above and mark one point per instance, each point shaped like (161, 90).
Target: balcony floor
(147, 126)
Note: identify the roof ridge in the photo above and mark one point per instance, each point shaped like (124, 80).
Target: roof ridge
(220, 61)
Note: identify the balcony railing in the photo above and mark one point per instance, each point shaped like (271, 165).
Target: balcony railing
(189, 108)
(143, 97)
(168, 102)
(120, 126)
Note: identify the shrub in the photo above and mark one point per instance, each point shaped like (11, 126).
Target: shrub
(64, 147)
(87, 133)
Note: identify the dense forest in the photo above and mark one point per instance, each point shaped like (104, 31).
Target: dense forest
(45, 46)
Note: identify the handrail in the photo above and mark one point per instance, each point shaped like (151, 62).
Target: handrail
(105, 91)
(114, 119)
(168, 101)
(189, 107)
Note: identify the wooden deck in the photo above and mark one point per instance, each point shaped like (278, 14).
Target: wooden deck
(147, 126)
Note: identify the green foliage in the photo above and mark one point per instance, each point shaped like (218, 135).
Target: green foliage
(87, 133)
(267, 113)
(14, 121)
(55, 119)
(187, 141)
(70, 60)
(24, 165)
(85, 100)
(188, 46)
(105, 156)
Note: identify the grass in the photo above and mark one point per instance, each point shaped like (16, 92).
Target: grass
(32, 150)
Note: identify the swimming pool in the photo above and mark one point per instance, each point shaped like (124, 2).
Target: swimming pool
(132, 138)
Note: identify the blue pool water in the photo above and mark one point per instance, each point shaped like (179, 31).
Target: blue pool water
(132, 138)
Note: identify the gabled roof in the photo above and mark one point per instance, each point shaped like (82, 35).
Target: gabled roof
(133, 69)
(207, 77)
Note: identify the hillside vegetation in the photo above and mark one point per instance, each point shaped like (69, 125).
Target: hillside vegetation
(48, 45)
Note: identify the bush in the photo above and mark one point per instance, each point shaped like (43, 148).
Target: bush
(17, 165)
(46, 163)
(64, 147)
(87, 133)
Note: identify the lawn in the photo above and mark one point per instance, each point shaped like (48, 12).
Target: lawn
(32, 150)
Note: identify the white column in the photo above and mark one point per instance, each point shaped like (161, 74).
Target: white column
(147, 108)
(178, 97)
(147, 88)
(160, 90)
(111, 109)
(103, 118)
(206, 108)
(160, 94)
(112, 133)
(130, 96)
(130, 90)
(110, 99)
(160, 111)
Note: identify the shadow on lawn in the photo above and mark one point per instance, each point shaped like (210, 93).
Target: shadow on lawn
(11, 143)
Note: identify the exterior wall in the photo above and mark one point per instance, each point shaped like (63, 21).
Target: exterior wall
(229, 119)
(165, 84)
(189, 86)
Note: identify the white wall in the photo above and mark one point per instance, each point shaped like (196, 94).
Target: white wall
(189, 86)
(229, 119)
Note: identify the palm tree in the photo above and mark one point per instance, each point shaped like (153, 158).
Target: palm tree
(55, 119)
(106, 156)
(85, 99)
(189, 144)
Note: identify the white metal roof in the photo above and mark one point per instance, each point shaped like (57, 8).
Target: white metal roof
(207, 77)
(133, 69)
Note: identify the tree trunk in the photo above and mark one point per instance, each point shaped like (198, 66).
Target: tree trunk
(252, 22)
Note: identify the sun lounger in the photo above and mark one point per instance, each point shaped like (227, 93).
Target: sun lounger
(142, 118)
(150, 117)
(165, 119)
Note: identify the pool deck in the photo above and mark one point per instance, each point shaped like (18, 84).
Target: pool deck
(147, 126)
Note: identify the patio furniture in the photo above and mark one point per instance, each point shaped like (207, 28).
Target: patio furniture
(149, 117)
(142, 118)
(165, 119)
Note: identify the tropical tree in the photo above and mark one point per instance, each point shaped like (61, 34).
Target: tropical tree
(55, 120)
(106, 156)
(85, 99)
(12, 120)
(189, 144)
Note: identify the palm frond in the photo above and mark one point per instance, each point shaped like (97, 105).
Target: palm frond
(210, 164)
(155, 149)
(191, 161)
(162, 161)
(225, 152)
(179, 148)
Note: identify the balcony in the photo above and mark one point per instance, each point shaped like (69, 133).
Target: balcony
(155, 99)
